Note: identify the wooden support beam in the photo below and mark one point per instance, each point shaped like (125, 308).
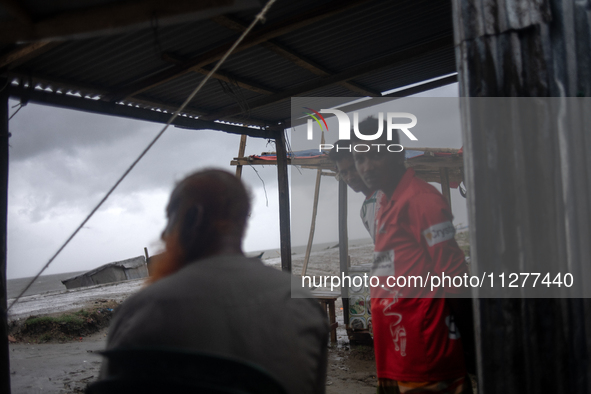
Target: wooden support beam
(444, 176)
(394, 59)
(344, 246)
(222, 76)
(109, 18)
(233, 24)
(428, 172)
(241, 150)
(264, 34)
(284, 212)
(316, 162)
(26, 52)
(4, 136)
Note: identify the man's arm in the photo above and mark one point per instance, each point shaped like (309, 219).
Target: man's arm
(436, 232)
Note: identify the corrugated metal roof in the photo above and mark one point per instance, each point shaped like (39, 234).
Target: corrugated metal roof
(259, 79)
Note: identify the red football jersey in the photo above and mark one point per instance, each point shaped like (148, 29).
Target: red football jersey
(415, 339)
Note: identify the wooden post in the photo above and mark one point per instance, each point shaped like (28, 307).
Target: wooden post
(4, 135)
(313, 224)
(344, 246)
(331, 319)
(284, 214)
(444, 175)
(241, 150)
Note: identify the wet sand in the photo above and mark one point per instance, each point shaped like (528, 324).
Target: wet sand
(55, 367)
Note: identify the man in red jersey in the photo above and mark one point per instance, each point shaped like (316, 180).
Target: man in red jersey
(416, 341)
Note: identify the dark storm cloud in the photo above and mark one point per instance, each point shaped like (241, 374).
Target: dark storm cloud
(38, 129)
(62, 159)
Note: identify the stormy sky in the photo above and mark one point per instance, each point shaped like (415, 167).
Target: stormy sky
(62, 162)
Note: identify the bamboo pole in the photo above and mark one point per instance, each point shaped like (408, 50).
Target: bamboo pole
(313, 225)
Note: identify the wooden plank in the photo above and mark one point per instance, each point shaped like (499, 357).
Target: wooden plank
(284, 213)
(266, 33)
(325, 294)
(233, 24)
(399, 57)
(318, 162)
(433, 163)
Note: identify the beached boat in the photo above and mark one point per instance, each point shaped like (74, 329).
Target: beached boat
(133, 268)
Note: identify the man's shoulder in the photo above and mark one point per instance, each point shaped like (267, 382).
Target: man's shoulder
(421, 193)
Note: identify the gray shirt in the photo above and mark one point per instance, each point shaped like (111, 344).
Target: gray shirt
(232, 306)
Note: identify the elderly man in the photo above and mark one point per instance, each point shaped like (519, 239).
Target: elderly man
(208, 297)
(417, 345)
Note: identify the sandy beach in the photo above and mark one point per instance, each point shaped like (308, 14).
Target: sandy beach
(68, 367)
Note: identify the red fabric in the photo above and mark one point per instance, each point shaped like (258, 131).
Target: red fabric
(412, 337)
